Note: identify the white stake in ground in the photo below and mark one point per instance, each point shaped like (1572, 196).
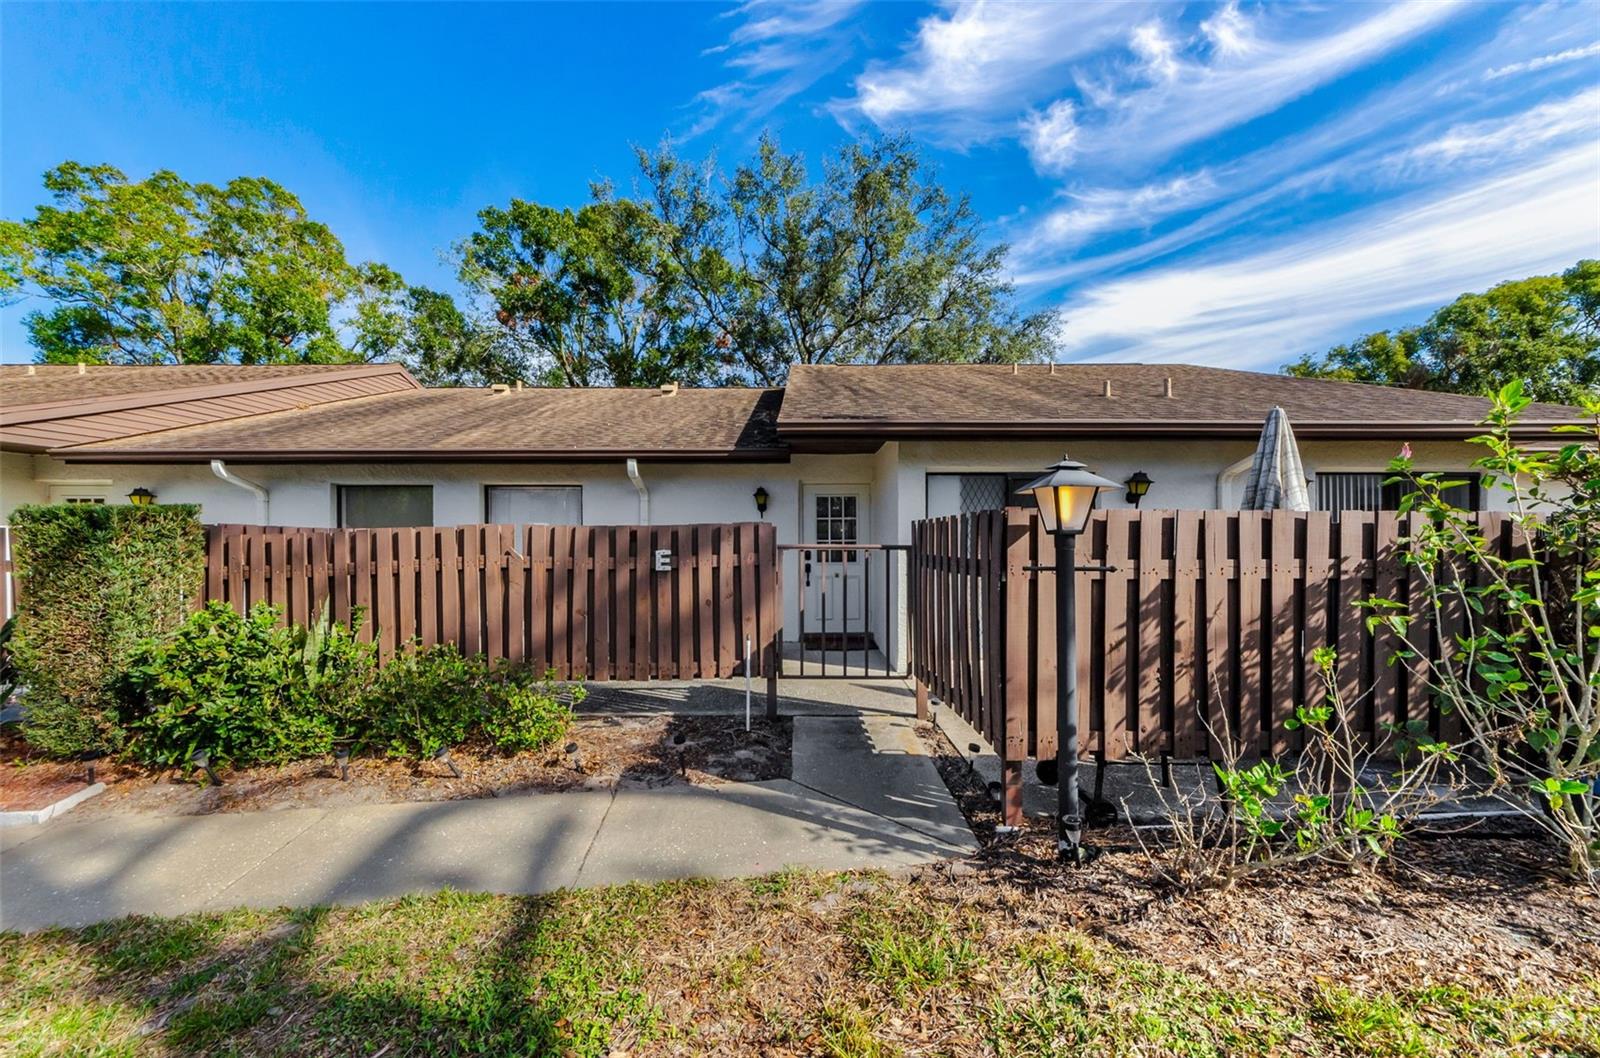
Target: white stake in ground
(747, 684)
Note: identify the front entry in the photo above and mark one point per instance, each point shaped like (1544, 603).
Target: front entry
(834, 577)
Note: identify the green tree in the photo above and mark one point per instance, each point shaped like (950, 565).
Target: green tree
(1543, 331)
(876, 263)
(583, 297)
(161, 270)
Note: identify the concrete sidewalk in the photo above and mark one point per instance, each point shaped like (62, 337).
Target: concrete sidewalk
(863, 794)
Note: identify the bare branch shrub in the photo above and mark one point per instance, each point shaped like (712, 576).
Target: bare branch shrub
(1523, 671)
(1336, 801)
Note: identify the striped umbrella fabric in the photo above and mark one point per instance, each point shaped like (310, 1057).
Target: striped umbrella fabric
(1277, 479)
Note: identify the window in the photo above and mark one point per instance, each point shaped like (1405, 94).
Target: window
(534, 504)
(967, 493)
(836, 524)
(1367, 492)
(385, 506)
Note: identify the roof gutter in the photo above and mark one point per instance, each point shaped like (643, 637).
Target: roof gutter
(644, 493)
(263, 497)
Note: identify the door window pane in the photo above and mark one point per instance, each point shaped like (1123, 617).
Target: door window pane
(535, 504)
(836, 524)
(385, 506)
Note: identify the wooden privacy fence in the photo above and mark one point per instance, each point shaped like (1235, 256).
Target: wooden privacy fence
(1208, 617)
(588, 602)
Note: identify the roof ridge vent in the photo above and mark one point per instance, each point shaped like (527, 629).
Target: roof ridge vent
(669, 388)
(1167, 389)
(1106, 390)
(499, 388)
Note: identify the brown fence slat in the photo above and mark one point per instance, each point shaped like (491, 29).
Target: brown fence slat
(1212, 617)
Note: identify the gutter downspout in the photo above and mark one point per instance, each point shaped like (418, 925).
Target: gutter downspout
(1226, 479)
(644, 493)
(263, 497)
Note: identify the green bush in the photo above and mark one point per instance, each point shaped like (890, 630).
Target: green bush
(245, 689)
(427, 700)
(526, 713)
(95, 581)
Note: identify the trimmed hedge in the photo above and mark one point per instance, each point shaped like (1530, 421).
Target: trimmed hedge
(95, 581)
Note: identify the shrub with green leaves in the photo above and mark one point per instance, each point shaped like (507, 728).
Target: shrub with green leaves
(427, 700)
(95, 581)
(525, 713)
(244, 688)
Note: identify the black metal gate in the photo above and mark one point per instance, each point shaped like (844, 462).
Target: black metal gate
(849, 608)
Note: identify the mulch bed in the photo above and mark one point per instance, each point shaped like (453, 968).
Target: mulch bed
(1454, 909)
(648, 751)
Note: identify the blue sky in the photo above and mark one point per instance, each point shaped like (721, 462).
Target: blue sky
(1231, 184)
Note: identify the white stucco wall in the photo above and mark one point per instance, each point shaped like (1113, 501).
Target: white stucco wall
(1185, 475)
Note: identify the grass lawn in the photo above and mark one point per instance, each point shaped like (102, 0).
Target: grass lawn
(795, 964)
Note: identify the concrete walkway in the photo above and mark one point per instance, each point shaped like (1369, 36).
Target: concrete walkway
(863, 794)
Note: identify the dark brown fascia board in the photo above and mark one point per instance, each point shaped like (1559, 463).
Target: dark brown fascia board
(22, 413)
(81, 454)
(822, 430)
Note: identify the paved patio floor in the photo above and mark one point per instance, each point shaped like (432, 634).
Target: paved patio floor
(862, 794)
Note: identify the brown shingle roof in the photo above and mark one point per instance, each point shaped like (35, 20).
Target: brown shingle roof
(973, 399)
(477, 424)
(60, 405)
(27, 384)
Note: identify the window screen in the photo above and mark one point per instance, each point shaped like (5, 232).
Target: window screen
(1367, 492)
(534, 504)
(969, 493)
(385, 506)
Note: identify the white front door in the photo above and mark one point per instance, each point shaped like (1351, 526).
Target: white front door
(835, 582)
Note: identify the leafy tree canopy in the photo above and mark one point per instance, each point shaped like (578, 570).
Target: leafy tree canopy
(161, 271)
(583, 297)
(1544, 331)
(875, 263)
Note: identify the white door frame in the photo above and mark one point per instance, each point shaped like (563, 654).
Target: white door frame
(834, 585)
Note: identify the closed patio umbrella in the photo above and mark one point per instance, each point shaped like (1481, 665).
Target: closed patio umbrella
(1277, 480)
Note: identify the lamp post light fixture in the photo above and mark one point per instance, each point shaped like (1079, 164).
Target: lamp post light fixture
(1138, 485)
(1065, 496)
(761, 497)
(141, 497)
(442, 755)
(201, 758)
(341, 756)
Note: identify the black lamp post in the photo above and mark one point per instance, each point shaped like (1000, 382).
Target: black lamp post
(1066, 496)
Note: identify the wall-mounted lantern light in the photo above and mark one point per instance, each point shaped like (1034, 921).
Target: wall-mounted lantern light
(141, 497)
(761, 497)
(1138, 485)
(1066, 496)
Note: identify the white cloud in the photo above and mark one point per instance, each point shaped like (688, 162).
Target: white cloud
(1267, 307)
(1050, 137)
(1157, 50)
(1555, 59)
(779, 49)
(1094, 211)
(972, 68)
(1196, 100)
(1504, 137)
(1230, 35)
